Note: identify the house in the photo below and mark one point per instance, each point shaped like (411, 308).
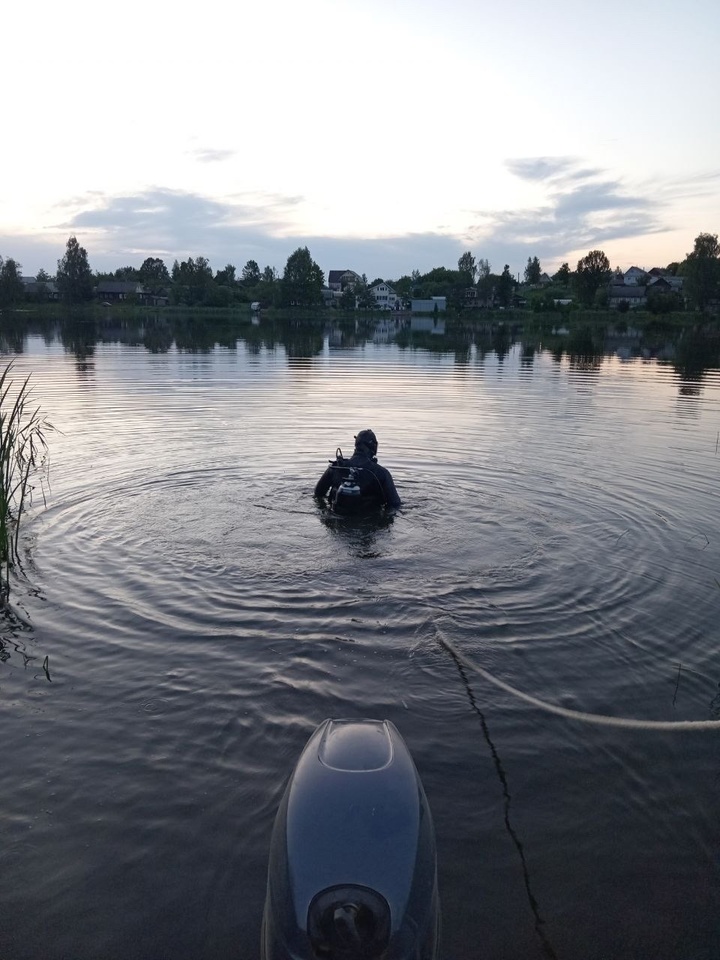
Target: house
(659, 285)
(544, 280)
(338, 280)
(630, 293)
(115, 291)
(634, 276)
(40, 289)
(385, 296)
(666, 283)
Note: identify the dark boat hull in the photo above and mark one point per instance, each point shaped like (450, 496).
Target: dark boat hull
(352, 869)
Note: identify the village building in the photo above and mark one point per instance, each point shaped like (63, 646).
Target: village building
(385, 296)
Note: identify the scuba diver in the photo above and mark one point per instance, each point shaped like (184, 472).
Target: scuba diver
(359, 482)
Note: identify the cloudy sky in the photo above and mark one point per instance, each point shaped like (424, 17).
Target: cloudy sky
(386, 135)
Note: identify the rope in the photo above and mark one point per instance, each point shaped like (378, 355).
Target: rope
(599, 719)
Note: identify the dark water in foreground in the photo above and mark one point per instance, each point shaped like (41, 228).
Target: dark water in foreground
(200, 617)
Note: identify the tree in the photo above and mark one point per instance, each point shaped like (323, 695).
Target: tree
(226, 276)
(302, 280)
(486, 283)
(660, 301)
(269, 286)
(42, 280)
(468, 267)
(701, 270)
(192, 281)
(364, 296)
(12, 290)
(593, 271)
(73, 277)
(154, 274)
(250, 275)
(532, 271)
(505, 286)
(127, 273)
(403, 286)
(563, 275)
(348, 300)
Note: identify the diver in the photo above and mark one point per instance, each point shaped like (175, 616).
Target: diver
(359, 482)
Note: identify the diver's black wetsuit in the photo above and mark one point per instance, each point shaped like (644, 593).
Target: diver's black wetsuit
(376, 483)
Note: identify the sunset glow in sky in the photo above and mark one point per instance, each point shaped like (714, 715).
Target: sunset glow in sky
(384, 135)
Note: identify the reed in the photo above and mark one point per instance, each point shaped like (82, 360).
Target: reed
(23, 453)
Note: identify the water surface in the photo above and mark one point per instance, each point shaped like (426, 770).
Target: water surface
(200, 616)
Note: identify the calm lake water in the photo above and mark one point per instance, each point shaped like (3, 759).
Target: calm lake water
(187, 616)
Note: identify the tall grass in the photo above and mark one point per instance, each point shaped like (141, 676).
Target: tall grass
(23, 453)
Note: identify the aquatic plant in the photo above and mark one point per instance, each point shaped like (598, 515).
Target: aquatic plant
(23, 453)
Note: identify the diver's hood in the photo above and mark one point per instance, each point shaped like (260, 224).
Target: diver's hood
(352, 872)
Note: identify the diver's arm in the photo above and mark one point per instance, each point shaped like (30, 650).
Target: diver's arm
(392, 498)
(322, 487)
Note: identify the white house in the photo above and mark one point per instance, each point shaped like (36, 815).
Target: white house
(635, 276)
(385, 296)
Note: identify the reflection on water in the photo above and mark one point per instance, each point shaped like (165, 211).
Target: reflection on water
(187, 615)
(690, 352)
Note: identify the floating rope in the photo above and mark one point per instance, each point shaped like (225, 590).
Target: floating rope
(597, 718)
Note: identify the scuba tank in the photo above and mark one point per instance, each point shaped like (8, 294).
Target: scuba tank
(348, 496)
(351, 495)
(352, 872)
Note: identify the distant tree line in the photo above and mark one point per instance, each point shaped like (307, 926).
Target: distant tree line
(193, 282)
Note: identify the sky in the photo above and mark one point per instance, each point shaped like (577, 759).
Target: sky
(384, 135)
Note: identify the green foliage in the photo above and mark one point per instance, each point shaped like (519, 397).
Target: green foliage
(153, 274)
(302, 280)
(438, 282)
(602, 297)
(12, 290)
(593, 272)
(533, 271)
(192, 282)
(664, 302)
(563, 275)
(363, 295)
(505, 287)
(468, 268)
(127, 273)
(226, 276)
(403, 287)
(250, 275)
(348, 299)
(74, 278)
(701, 270)
(23, 450)
(545, 303)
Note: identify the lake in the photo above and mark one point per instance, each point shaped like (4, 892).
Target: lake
(186, 615)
